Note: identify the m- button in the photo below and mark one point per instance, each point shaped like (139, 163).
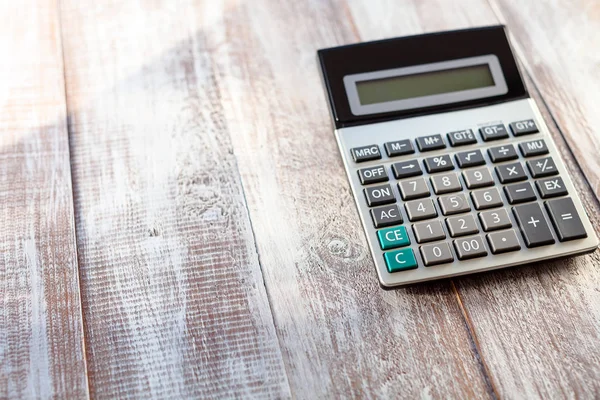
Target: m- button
(366, 153)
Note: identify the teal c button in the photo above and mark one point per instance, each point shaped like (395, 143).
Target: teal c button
(391, 238)
(400, 260)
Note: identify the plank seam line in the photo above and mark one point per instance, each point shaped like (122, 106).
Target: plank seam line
(73, 215)
(485, 371)
(500, 16)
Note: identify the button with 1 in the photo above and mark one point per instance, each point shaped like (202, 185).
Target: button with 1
(428, 231)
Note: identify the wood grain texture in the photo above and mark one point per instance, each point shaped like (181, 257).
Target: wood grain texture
(537, 328)
(341, 335)
(41, 327)
(173, 297)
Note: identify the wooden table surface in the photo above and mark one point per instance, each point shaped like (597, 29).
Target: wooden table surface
(176, 221)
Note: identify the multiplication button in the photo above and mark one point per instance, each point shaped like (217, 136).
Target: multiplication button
(366, 153)
(525, 127)
(435, 254)
(508, 173)
(493, 132)
(431, 142)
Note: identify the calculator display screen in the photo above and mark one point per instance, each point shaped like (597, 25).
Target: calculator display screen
(424, 84)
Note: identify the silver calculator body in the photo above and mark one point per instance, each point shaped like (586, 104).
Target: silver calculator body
(450, 183)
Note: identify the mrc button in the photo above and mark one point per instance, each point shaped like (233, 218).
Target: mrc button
(366, 153)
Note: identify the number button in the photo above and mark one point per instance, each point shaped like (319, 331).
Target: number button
(413, 189)
(372, 175)
(565, 219)
(503, 241)
(509, 173)
(399, 148)
(428, 231)
(503, 153)
(533, 148)
(551, 187)
(461, 226)
(379, 195)
(366, 153)
(461, 138)
(445, 183)
(494, 219)
(386, 216)
(420, 209)
(493, 132)
(519, 193)
(406, 169)
(477, 178)
(435, 254)
(486, 198)
(542, 167)
(454, 204)
(438, 164)
(470, 247)
(526, 127)
(400, 260)
(393, 237)
(431, 142)
(471, 158)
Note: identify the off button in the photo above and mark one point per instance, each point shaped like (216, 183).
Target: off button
(393, 237)
(400, 260)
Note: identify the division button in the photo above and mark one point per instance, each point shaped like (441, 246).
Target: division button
(503, 241)
(406, 169)
(477, 178)
(366, 153)
(493, 132)
(372, 175)
(519, 193)
(431, 142)
(494, 219)
(542, 167)
(462, 225)
(379, 195)
(462, 138)
(428, 231)
(400, 260)
(413, 189)
(399, 148)
(438, 164)
(533, 225)
(435, 254)
(470, 158)
(454, 204)
(565, 219)
(393, 237)
(503, 153)
(533, 148)
(486, 198)
(551, 187)
(470, 247)
(508, 173)
(420, 209)
(525, 127)
(386, 216)
(446, 183)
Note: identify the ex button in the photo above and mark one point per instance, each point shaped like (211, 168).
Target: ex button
(393, 237)
(366, 153)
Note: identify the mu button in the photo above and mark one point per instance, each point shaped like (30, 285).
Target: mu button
(391, 238)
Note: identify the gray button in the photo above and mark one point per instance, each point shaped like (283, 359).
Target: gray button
(462, 225)
(542, 167)
(406, 169)
(413, 189)
(446, 183)
(565, 219)
(523, 127)
(493, 132)
(486, 198)
(379, 195)
(470, 247)
(372, 175)
(519, 193)
(431, 142)
(503, 241)
(478, 178)
(420, 209)
(386, 216)
(503, 153)
(513, 172)
(470, 158)
(551, 187)
(366, 153)
(454, 204)
(438, 164)
(437, 253)
(533, 148)
(429, 231)
(534, 228)
(399, 148)
(494, 219)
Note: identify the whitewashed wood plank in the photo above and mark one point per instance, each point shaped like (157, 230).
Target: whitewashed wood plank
(341, 335)
(174, 300)
(41, 326)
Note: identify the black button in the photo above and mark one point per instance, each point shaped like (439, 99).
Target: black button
(431, 142)
(366, 153)
(551, 187)
(503, 153)
(462, 138)
(512, 172)
(438, 163)
(542, 167)
(406, 169)
(565, 219)
(519, 193)
(533, 225)
(379, 195)
(399, 148)
(533, 148)
(386, 216)
(372, 175)
(493, 132)
(525, 127)
(470, 158)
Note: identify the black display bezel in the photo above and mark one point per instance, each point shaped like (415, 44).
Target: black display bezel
(338, 62)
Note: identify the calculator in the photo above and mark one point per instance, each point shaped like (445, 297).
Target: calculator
(451, 165)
